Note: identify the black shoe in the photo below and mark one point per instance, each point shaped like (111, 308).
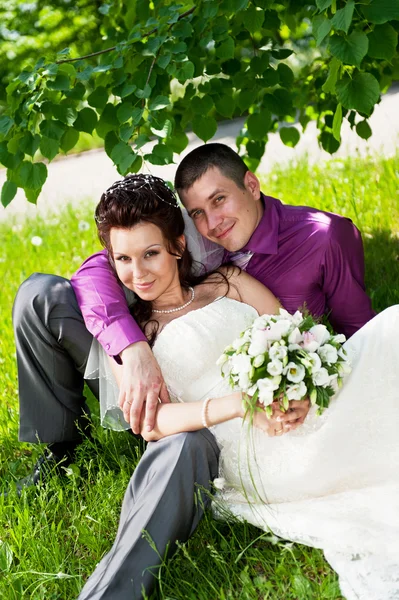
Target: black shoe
(48, 465)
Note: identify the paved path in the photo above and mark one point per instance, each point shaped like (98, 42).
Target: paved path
(87, 175)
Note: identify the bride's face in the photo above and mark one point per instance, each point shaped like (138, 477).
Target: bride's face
(142, 260)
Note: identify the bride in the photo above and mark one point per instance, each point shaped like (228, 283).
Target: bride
(331, 482)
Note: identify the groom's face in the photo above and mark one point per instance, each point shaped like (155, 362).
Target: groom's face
(223, 212)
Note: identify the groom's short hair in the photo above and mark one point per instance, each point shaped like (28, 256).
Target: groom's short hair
(198, 161)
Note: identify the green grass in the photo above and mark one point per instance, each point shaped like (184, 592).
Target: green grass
(50, 541)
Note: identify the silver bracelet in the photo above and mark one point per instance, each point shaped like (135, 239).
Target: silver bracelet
(204, 413)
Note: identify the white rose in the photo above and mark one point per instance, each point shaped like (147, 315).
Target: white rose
(266, 389)
(310, 344)
(295, 337)
(240, 363)
(275, 331)
(259, 343)
(239, 343)
(344, 368)
(320, 333)
(275, 367)
(321, 377)
(314, 358)
(258, 360)
(297, 391)
(261, 322)
(278, 352)
(339, 338)
(222, 359)
(328, 354)
(219, 483)
(294, 372)
(251, 391)
(296, 318)
(244, 382)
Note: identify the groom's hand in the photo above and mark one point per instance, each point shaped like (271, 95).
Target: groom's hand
(295, 415)
(141, 382)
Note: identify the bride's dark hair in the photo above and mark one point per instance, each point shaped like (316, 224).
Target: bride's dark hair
(144, 198)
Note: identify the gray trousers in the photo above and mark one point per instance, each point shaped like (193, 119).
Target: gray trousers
(52, 345)
(52, 348)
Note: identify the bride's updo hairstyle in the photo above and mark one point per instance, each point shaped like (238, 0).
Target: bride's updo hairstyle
(145, 199)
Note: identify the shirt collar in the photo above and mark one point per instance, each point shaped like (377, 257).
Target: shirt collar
(264, 239)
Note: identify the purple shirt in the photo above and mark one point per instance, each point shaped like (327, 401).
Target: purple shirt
(303, 255)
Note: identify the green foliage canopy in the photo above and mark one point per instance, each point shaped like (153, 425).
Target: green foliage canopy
(135, 70)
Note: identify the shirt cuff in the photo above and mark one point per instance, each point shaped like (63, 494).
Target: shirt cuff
(119, 335)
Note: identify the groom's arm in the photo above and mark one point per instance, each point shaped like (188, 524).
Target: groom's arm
(106, 314)
(104, 306)
(343, 278)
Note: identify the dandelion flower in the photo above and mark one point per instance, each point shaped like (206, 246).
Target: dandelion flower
(36, 240)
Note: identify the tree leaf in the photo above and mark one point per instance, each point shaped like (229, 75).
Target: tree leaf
(226, 49)
(363, 130)
(8, 192)
(225, 106)
(29, 143)
(361, 92)
(286, 75)
(69, 139)
(164, 60)
(382, 42)
(65, 114)
(203, 105)
(158, 103)
(5, 125)
(185, 72)
(259, 124)
(98, 98)
(204, 127)
(32, 195)
(329, 84)
(323, 30)
(86, 120)
(32, 175)
(290, 136)
(49, 147)
(253, 19)
(323, 4)
(60, 83)
(337, 122)
(123, 157)
(142, 93)
(343, 17)
(381, 11)
(351, 49)
(52, 129)
(126, 132)
(124, 111)
(178, 142)
(328, 142)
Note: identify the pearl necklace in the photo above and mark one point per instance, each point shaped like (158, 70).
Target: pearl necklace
(172, 310)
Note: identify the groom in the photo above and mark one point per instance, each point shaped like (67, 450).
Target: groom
(303, 255)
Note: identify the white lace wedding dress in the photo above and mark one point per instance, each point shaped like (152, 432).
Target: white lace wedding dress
(333, 483)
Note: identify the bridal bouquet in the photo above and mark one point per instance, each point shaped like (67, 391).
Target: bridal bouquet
(285, 357)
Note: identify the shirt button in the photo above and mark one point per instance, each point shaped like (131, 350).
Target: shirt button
(107, 346)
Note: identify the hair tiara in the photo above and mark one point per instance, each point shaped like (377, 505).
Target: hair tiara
(134, 183)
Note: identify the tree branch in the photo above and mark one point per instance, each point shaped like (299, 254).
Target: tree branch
(68, 60)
